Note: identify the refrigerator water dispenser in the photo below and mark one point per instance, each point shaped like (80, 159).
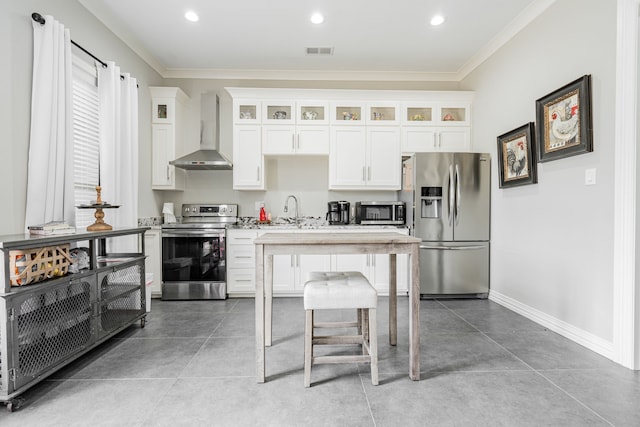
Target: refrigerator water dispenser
(431, 202)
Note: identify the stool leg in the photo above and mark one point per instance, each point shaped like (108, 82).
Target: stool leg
(359, 321)
(365, 328)
(308, 346)
(373, 345)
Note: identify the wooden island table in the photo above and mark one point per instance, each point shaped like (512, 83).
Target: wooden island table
(391, 243)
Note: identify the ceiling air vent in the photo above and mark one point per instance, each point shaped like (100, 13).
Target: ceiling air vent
(319, 51)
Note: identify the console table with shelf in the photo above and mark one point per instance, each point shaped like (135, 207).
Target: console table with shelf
(46, 325)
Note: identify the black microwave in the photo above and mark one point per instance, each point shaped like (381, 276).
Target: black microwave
(380, 213)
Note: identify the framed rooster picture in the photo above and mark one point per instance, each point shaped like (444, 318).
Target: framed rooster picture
(564, 121)
(517, 157)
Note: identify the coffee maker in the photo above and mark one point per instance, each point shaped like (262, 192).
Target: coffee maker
(338, 213)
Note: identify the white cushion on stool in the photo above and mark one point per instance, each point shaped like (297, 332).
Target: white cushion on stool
(336, 290)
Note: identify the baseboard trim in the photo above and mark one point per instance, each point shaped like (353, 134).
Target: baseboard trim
(579, 336)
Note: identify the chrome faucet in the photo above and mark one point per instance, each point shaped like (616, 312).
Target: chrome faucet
(286, 207)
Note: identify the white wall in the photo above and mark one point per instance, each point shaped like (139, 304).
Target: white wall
(552, 242)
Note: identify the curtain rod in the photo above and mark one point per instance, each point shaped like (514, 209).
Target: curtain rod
(40, 19)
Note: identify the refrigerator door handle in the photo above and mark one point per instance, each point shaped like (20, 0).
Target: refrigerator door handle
(457, 214)
(452, 248)
(451, 195)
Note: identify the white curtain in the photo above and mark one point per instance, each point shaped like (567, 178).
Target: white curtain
(119, 151)
(50, 195)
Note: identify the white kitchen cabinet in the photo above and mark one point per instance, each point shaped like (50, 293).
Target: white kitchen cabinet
(456, 112)
(348, 113)
(295, 140)
(430, 127)
(153, 262)
(382, 114)
(302, 129)
(290, 272)
(436, 138)
(312, 112)
(241, 255)
(384, 171)
(368, 131)
(375, 268)
(278, 112)
(248, 162)
(364, 158)
(247, 111)
(347, 157)
(167, 137)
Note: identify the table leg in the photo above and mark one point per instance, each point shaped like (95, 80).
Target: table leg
(414, 316)
(259, 301)
(268, 295)
(393, 300)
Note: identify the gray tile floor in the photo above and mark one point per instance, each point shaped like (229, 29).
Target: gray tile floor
(193, 365)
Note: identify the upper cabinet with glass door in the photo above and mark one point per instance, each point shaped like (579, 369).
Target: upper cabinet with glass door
(436, 114)
(312, 112)
(278, 112)
(418, 114)
(453, 114)
(382, 113)
(348, 113)
(247, 111)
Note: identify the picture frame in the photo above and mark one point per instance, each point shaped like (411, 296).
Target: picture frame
(564, 121)
(517, 162)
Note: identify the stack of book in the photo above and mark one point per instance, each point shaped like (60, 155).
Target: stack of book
(50, 228)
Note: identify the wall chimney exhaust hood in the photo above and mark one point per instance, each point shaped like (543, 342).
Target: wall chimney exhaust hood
(207, 157)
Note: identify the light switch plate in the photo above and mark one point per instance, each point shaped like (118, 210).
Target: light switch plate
(590, 176)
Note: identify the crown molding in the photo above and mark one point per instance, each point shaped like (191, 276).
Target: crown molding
(527, 16)
(332, 75)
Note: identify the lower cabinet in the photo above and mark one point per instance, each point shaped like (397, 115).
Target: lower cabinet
(375, 267)
(153, 262)
(290, 272)
(241, 265)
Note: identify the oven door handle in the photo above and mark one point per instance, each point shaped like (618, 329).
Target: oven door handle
(192, 233)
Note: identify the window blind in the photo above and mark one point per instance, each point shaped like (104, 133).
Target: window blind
(86, 138)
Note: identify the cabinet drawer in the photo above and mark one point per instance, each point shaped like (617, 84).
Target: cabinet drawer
(241, 280)
(241, 237)
(241, 256)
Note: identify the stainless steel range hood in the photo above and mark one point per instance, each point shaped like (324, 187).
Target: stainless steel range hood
(207, 157)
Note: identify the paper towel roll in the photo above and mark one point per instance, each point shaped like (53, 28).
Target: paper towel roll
(167, 208)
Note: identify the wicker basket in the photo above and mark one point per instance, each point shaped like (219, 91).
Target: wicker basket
(35, 265)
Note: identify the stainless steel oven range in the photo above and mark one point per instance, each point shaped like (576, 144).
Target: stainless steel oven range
(193, 253)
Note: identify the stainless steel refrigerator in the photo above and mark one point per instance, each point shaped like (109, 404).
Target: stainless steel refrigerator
(449, 194)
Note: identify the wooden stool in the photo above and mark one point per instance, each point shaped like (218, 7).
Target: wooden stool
(341, 290)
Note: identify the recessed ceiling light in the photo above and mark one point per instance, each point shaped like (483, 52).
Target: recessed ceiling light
(317, 18)
(437, 20)
(190, 15)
